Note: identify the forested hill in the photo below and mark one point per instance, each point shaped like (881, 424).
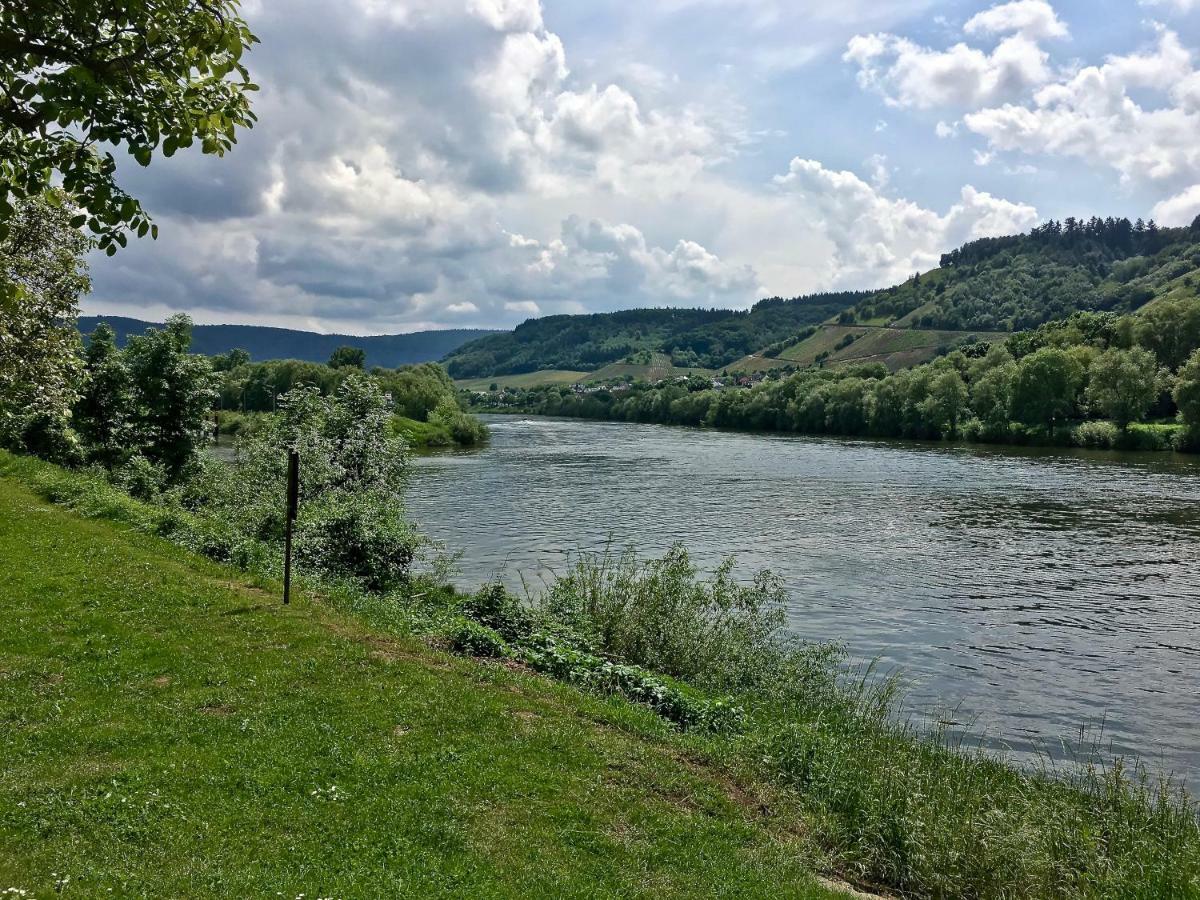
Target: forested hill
(707, 338)
(262, 342)
(1019, 282)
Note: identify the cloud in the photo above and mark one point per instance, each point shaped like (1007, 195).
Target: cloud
(424, 163)
(1093, 115)
(907, 74)
(880, 240)
(1182, 6)
(1034, 19)
(1182, 209)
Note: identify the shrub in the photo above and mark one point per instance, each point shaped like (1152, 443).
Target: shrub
(496, 608)
(353, 472)
(1150, 436)
(716, 632)
(472, 639)
(1097, 434)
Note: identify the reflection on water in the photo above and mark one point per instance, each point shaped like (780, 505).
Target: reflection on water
(1039, 591)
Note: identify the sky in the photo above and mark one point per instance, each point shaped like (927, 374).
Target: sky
(475, 163)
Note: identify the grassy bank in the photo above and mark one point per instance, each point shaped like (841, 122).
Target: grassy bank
(170, 730)
(772, 768)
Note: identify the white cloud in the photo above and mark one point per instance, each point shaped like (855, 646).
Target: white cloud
(1182, 209)
(879, 240)
(1183, 6)
(1033, 19)
(907, 74)
(1093, 116)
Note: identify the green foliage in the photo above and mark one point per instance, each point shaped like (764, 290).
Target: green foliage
(103, 413)
(1045, 387)
(715, 632)
(42, 275)
(1123, 384)
(353, 473)
(1099, 435)
(1171, 329)
(426, 402)
(1088, 364)
(171, 393)
(472, 639)
(82, 74)
(345, 357)
(1187, 392)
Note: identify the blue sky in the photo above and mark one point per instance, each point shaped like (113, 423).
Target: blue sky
(449, 163)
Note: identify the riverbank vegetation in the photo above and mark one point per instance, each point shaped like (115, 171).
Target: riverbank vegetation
(1094, 380)
(428, 411)
(825, 749)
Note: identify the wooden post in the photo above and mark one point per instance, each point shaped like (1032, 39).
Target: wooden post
(293, 505)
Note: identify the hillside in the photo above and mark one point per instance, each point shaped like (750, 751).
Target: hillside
(981, 291)
(692, 338)
(263, 342)
(1019, 282)
(834, 345)
(299, 751)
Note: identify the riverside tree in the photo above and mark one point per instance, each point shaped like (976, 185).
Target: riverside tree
(77, 76)
(1123, 384)
(42, 275)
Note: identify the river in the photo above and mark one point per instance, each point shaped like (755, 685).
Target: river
(1040, 594)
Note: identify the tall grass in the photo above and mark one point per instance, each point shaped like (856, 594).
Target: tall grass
(893, 803)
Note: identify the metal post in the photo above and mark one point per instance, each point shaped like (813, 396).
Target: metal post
(293, 504)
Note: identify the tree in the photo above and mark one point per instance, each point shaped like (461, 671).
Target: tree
(947, 402)
(348, 358)
(42, 275)
(1123, 384)
(1045, 386)
(227, 362)
(76, 75)
(1171, 329)
(102, 414)
(1187, 392)
(173, 391)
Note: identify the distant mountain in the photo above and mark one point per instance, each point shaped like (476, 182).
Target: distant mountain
(262, 342)
(692, 338)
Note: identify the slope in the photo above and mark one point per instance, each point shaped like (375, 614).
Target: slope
(170, 730)
(693, 338)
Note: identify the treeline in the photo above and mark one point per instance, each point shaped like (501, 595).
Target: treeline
(423, 397)
(1095, 379)
(1018, 282)
(698, 338)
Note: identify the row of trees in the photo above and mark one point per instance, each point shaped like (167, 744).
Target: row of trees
(1037, 387)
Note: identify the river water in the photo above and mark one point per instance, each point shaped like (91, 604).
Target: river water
(1039, 594)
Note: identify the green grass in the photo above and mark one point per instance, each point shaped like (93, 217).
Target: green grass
(168, 729)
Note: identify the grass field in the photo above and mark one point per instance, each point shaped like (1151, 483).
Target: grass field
(167, 729)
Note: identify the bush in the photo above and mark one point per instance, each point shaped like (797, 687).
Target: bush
(1099, 434)
(1150, 436)
(496, 608)
(716, 632)
(472, 639)
(353, 472)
